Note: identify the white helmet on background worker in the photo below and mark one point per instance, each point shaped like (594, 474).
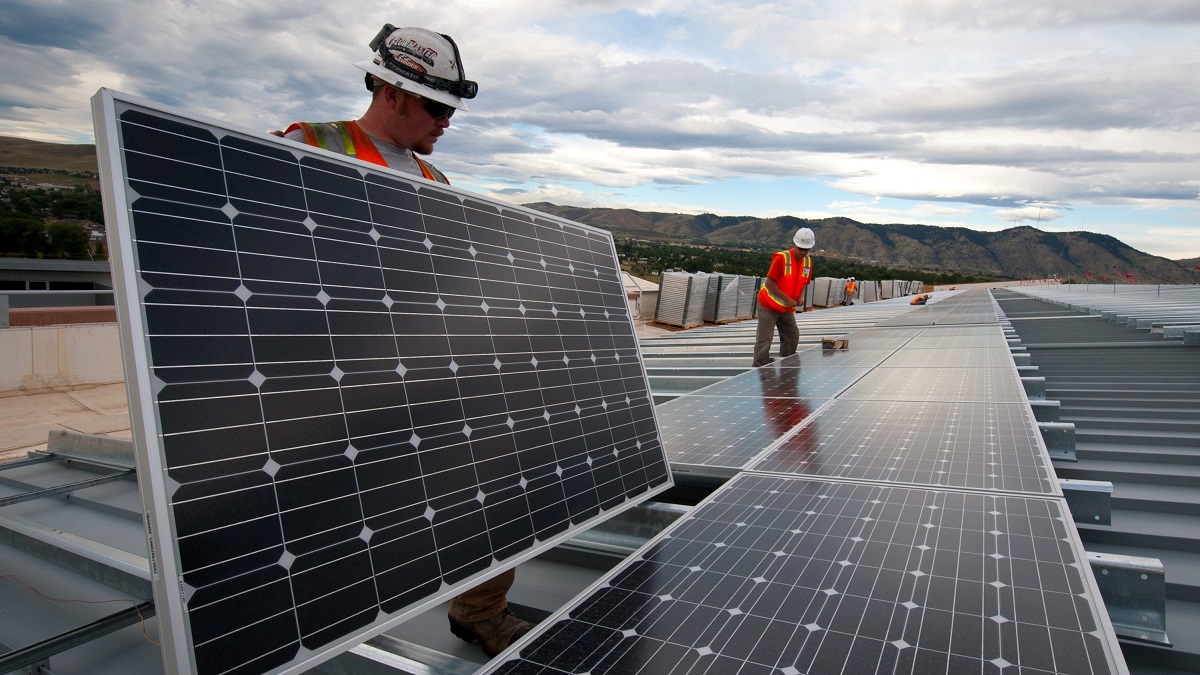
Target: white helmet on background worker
(420, 62)
(804, 238)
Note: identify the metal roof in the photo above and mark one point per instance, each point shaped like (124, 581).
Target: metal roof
(1132, 390)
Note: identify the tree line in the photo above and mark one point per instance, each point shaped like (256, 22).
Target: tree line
(50, 223)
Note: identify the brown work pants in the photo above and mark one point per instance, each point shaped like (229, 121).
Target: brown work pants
(789, 334)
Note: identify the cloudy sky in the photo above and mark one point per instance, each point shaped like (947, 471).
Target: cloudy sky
(1064, 114)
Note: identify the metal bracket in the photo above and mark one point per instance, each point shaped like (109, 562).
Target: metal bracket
(1090, 501)
(1060, 439)
(1035, 388)
(1135, 591)
(1045, 411)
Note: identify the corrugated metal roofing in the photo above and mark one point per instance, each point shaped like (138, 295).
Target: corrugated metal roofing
(1134, 398)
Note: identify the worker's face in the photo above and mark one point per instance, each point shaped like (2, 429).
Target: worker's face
(413, 123)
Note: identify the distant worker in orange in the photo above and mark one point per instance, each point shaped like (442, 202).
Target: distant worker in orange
(919, 300)
(781, 296)
(851, 291)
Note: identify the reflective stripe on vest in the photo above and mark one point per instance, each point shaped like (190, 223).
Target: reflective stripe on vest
(357, 144)
(790, 282)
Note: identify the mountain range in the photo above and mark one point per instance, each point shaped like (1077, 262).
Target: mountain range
(1018, 252)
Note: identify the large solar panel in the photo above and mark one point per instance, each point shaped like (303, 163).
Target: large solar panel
(354, 392)
(981, 446)
(779, 575)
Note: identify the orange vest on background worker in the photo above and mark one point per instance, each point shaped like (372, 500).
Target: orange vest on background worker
(358, 144)
(851, 287)
(792, 278)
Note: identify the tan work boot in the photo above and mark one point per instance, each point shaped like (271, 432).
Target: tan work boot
(494, 634)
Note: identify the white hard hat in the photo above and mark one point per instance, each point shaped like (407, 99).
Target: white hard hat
(804, 238)
(420, 62)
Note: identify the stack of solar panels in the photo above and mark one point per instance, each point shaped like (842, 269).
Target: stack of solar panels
(888, 509)
(747, 297)
(681, 299)
(868, 291)
(828, 291)
(721, 302)
(354, 393)
(896, 288)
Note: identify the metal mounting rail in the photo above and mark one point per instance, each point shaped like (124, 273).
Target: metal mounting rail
(40, 651)
(65, 488)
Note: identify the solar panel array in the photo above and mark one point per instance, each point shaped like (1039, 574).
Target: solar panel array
(909, 522)
(354, 392)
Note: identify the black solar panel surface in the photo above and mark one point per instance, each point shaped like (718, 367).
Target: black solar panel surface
(983, 446)
(982, 385)
(787, 575)
(958, 557)
(717, 436)
(914, 356)
(360, 390)
(808, 381)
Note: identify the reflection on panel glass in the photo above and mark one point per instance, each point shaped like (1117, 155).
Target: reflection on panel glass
(711, 435)
(811, 380)
(985, 446)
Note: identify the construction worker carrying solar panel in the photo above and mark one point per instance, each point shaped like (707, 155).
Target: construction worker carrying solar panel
(417, 82)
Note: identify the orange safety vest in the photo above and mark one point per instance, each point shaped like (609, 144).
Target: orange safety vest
(357, 144)
(851, 287)
(791, 282)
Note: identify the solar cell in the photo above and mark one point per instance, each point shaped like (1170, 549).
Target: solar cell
(354, 392)
(981, 446)
(783, 575)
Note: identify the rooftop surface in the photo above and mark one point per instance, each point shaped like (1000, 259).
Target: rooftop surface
(26, 419)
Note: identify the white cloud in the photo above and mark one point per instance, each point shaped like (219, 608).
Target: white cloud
(1035, 214)
(974, 112)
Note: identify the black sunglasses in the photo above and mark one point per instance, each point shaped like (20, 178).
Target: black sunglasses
(437, 110)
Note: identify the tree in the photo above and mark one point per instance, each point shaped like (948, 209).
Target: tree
(21, 235)
(68, 240)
